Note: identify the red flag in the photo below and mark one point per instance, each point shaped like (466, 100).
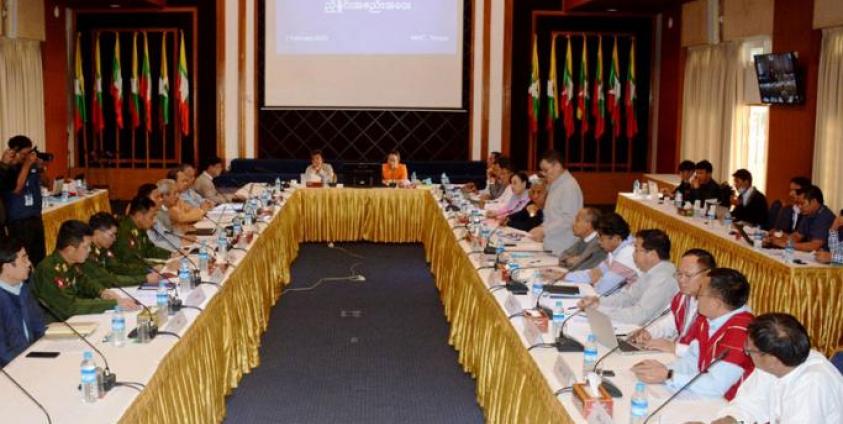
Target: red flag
(146, 85)
(631, 96)
(183, 91)
(96, 107)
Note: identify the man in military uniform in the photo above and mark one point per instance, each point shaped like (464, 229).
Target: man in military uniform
(133, 244)
(102, 264)
(61, 283)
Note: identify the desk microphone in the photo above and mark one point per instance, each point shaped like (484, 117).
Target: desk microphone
(153, 329)
(29, 395)
(696, 377)
(567, 344)
(109, 379)
(196, 278)
(174, 303)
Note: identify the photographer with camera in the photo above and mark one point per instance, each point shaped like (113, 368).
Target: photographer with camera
(20, 188)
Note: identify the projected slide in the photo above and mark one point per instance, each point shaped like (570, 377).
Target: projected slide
(366, 27)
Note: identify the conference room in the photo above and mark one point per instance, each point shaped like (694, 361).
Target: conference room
(273, 211)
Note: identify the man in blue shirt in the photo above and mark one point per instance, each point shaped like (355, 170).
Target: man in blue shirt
(812, 231)
(21, 323)
(21, 192)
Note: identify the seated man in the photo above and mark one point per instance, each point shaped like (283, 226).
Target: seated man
(564, 200)
(531, 216)
(60, 282)
(721, 329)
(496, 187)
(184, 211)
(786, 370)
(133, 244)
(686, 173)
(703, 186)
(750, 204)
(672, 332)
(102, 265)
(812, 232)
(641, 302)
(491, 170)
(318, 171)
(586, 253)
(21, 323)
(204, 184)
(834, 254)
(788, 217)
(619, 266)
(162, 233)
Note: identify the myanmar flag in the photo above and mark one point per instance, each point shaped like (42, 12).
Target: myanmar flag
(582, 96)
(552, 89)
(533, 92)
(117, 83)
(614, 105)
(568, 92)
(146, 85)
(134, 103)
(183, 91)
(164, 86)
(599, 106)
(80, 114)
(631, 96)
(99, 122)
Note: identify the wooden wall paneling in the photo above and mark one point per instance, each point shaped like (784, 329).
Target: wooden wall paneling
(220, 83)
(487, 49)
(55, 73)
(121, 183)
(828, 13)
(694, 23)
(506, 103)
(602, 188)
(670, 92)
(747, 18)
(241, 77)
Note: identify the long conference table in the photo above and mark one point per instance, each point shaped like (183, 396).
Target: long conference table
(186, 379)
(78, 207)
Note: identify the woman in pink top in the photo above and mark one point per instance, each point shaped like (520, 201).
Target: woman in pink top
(519, 183)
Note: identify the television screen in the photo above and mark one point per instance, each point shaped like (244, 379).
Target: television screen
(778, 81)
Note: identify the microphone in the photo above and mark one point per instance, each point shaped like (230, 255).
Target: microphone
(196, 279)
(567, 344)
(518, 287)
(153, 329)
(29, 395)
(614, 349)
(719, 358)
(109, 379)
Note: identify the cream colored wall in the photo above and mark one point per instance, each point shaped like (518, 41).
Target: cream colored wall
(231, 96)
(828, 13)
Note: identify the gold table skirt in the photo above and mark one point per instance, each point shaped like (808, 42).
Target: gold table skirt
(81, 210)
(222, 344)
(814, 295)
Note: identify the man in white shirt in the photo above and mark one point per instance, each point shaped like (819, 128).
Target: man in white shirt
(619, 266)
(650, 295)
(564, 200)
(671, 333)
(204, 184)
(501, 191)
(791, 383)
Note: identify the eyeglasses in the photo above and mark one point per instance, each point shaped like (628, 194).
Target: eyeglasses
(679, 275)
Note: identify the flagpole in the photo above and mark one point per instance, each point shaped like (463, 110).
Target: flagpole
(146, 136)
(85, 145)
(614, 149)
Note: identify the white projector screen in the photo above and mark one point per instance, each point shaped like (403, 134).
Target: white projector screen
(363, 54)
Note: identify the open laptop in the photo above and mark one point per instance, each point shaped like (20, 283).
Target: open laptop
(601, 327)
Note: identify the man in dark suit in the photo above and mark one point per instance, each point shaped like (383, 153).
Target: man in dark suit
(749, 202)
(703, 186)
(789, 215)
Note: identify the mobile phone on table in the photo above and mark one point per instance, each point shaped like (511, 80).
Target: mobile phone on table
(36, 354)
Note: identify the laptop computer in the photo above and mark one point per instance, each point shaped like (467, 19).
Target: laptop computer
(601, 327)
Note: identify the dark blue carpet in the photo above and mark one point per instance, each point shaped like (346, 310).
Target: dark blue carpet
(371, 352)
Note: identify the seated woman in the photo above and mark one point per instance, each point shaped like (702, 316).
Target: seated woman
(393, 171)
(530, 216)
(519, 183)
(318, 171)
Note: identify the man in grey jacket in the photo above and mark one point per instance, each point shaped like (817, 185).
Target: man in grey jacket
(651, 294)
(564, 200)
(586, 253)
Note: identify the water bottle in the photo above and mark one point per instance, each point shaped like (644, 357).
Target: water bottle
(788, 251)
(445, 179)
(758, 239)
(413, 178)
(184, 275)
(638, 410)
(222, 244)
(64, 192)
(118, 327)
(727, 221)
(710, 214)
(558, 316)
(203, 257)
(677, 201)
(90, 391)
(162, 301)
(538, 285)
(248, 221)
(589, 354)
(277, 185)
(636, 187)
(237, 226)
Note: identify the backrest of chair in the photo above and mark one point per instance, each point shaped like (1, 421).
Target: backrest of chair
(837, 359)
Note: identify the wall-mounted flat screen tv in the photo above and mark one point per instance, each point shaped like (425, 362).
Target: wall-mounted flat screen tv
(778, 79)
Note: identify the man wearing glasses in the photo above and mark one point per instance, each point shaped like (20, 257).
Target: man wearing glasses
(671, 333)
(103, 266)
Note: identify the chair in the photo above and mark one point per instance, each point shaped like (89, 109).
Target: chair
(837, 359)
(773, 213)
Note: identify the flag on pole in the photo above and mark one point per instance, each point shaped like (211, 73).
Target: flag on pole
(599, 105)
(582, 97)
(552, 89)
(117, 83)
(134, 103)
(80, 115)
(568, 92)
(146, 85)
(534, 91)
(99, 122)
(631, 96)
(614, 104)
(164, 85)
(183, 91)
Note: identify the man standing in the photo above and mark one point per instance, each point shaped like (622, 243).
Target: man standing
(21, 323)
(586, 253)
(750, 205)
(791, 382)
(22, 197)
(564, 200)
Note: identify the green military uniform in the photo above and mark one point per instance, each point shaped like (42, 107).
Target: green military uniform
(67, 290)
(102, 266)
(133, 244)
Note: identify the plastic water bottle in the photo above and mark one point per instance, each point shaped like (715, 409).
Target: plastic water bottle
(636, 187)
(677, 201)
(589, 354)
(638, 410)
(277, 185)
(537, 284)
(118, 327)
(727, 221)
(445, 179)
(222, 244)
(710, 214)
(184, 274)
(558, 316)
(237, 226)
(758, 239)
(413, 178)
(203, 257)
(788, 251)
(248, 221)
(90, 391)
(162, 301)
(64, 192)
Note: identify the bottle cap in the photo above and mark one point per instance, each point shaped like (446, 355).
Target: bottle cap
(87, 355)
(640, 386)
